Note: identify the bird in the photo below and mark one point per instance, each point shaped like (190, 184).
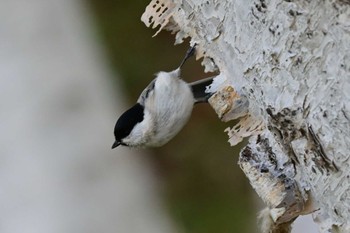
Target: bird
(162, 109)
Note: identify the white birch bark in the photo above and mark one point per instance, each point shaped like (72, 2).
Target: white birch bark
(285, 73)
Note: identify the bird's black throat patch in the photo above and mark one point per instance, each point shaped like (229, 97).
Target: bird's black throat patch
(127, 121)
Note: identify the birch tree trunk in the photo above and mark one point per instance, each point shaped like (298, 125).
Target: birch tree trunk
(284, 72)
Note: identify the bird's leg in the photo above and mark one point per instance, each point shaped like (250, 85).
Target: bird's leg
(189, 53)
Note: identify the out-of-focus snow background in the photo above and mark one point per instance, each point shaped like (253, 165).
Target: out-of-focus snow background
(68, 69)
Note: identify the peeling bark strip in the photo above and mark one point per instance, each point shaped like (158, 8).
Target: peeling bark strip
(272, 175)
(290, 63)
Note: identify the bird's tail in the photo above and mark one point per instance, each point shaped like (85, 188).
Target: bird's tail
(198, 90)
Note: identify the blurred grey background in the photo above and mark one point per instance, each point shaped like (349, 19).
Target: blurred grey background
(68, 69)
(57, 172)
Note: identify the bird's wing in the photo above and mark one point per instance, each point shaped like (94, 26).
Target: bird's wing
(146, 92)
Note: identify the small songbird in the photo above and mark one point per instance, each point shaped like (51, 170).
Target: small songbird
(161, 111)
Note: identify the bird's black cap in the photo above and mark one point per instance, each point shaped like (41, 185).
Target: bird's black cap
(126, 123)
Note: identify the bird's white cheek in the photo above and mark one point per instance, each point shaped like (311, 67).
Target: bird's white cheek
(141, 133)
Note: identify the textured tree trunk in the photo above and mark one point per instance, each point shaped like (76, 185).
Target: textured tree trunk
(285, 74)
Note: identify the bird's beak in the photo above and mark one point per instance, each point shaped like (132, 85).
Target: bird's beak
(115, 144)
